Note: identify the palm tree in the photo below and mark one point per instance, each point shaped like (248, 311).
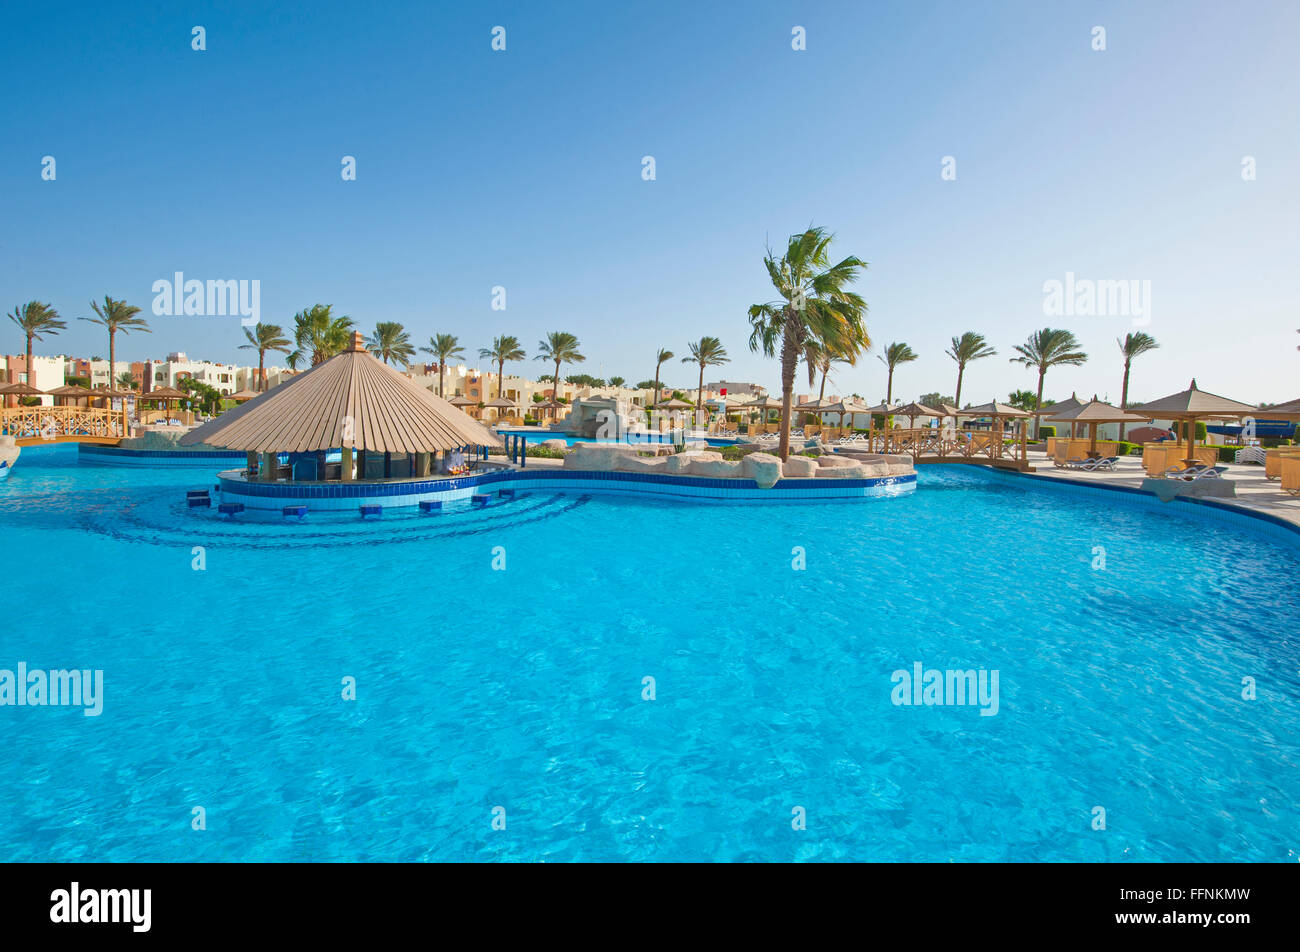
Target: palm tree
(391, 342)
(617, 381)
(562, 348)
(1133, 345)
(1044, 349)
(261, 338)
(502, 349)
(894, 355)
(970, 346)
(707, 352)
(125, 380)
(814, 303)
(444, 347)
(116, 316)
(660, 358)
(36, 320)
(318, 334)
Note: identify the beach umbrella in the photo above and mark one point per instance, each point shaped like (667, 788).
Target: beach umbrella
(913, 410)
(843, 408)
(71, 391)
(674, 404)
(1072, 403)
(239, 396)
(1093, 413)
(20, 390)
(1190, 406)
(1282, 411)
(763, 405)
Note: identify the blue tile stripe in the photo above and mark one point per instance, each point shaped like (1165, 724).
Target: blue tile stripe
(811, 488)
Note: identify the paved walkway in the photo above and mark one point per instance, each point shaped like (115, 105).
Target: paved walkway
(1254, 492)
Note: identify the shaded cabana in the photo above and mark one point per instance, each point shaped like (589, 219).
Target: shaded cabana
(71, 392)
(1071, 403)
(1093, 414)
(1191, 406)
(353, 403)
(501, 404)
(913, 410)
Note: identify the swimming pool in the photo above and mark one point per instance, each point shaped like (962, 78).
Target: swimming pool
(1120, 687)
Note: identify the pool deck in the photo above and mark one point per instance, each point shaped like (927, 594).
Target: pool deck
(1254, 492)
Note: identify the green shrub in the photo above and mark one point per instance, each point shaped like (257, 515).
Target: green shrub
(1126, 448)
(545, 452)
(1296, 433)
(1227, 453)
(1045, 431)
(1181, 428)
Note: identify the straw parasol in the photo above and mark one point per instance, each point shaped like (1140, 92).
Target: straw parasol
(844, 407)
(1283, 411)
(239, 396)
(1191, 405)
(996, 409)
(763, 405)
(353, 401)
(462, 401)
(71, 391)
(913, 410)
(1093, 413)
(674, 404)
(1071, 403)
(20, 390)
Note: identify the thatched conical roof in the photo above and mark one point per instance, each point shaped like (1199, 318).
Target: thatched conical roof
(351, 400)
(1193, 403)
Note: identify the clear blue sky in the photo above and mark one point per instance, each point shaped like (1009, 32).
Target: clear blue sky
(523, 169)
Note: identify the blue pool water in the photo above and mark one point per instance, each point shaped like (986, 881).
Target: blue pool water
(1119, 688)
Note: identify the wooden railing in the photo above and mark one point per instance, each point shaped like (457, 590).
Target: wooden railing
(938, 445)
(31, 425)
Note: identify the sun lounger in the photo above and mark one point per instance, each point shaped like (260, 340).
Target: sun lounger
(1180, 472)
(1214, 472)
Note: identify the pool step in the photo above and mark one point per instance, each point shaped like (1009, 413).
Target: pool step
(230, 508)
(506, 493)
(293, 511)
(371, 511)
(478, 500)
(198, 498)
(430, 505)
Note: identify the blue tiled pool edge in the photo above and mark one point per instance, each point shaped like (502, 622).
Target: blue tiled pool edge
(412, 492)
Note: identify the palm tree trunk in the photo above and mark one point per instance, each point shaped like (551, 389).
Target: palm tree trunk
(28, 366)
(699, 397)
(961, 369)
(261, 371)
(112, 355)
(1123, 400)
(789, 363)
(657, 366)
(555, 392)
(889, 389)
(441, 374)
(501, 377)
(1038, 404)
(821, 395)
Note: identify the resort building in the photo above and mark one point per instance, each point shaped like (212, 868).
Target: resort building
(46, 373)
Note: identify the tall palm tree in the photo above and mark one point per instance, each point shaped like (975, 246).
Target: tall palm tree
(391, 342)
(561, 347)
(813, 303)
(894, 355)
(660, 358)
(116, 316)
(617, 381)
(1133, 345)
(319, 335)
(707, 352)
(36, 320)
(444, 347)
(969, 346)
(261, 338)
(1045, 349)
(502, 349)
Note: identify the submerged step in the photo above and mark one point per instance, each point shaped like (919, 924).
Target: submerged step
(230, 508)
(479, 500)
(198, 498)
(371, 510)
(298, 511)
(430, 505)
